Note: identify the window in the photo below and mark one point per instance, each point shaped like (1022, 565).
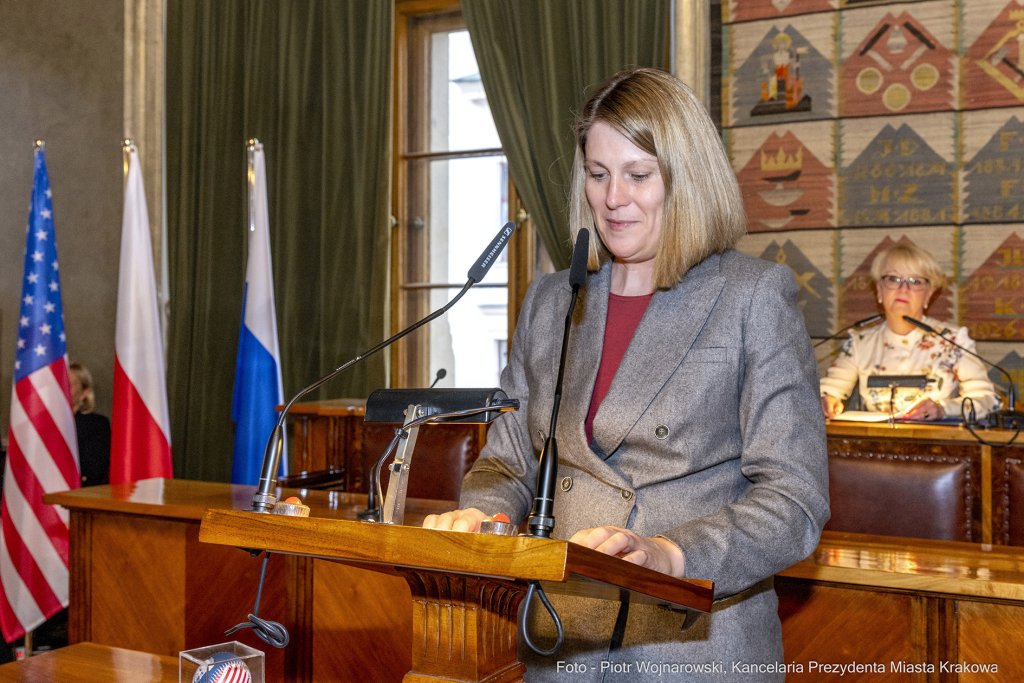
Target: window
(452, 193)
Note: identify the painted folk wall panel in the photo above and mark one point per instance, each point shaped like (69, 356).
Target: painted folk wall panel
(854, 125)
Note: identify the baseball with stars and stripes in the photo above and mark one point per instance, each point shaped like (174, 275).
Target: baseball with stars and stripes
(229, 670)
(42, 446)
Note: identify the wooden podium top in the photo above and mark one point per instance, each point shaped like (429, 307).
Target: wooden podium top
(187, 500)
(563, 567)
(91, 663)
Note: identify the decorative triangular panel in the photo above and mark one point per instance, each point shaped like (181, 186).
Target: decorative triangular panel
(992, 297)
(814, 295)
(785, 187)
(898, 67)
(745, 10)
(995, 178)
(784, 79)
(993, 67)
(897, 180)
(858, 296)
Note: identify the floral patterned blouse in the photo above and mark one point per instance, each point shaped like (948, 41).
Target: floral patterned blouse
(880, 351)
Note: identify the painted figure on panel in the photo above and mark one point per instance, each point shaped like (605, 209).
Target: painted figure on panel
(784, 78)
(781, 84)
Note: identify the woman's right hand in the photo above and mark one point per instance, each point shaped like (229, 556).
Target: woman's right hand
(457, 520)
(831, 406)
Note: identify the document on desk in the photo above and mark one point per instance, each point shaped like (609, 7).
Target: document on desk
(864, 416)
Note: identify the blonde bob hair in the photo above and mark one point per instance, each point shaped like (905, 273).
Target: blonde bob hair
(85, 379)
(913, 260)
(660, 115)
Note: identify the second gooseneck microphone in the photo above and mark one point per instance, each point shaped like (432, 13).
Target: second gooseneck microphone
(857, 325)
(542, 520)
(263, 500)
(1010, 418)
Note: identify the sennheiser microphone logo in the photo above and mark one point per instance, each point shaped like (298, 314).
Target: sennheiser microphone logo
(498, 246)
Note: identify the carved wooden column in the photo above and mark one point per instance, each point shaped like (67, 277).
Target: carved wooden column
(144, 105)
(691, 37)
(464, 628)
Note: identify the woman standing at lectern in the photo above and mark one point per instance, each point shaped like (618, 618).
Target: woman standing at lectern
(689, 438)
(907, 278)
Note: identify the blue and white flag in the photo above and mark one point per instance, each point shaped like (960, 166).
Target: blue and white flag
(258, 387)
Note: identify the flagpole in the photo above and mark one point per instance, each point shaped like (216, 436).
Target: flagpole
(253, 146)
(127, 147)
(37, 146)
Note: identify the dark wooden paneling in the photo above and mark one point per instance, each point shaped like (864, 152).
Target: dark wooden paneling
(79, 583)
(220, 592)
(835, 625)
(362, 625)
(137, 573)
(991, 633)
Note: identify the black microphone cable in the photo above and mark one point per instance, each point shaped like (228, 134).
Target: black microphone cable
(270, 632)
(970, 420)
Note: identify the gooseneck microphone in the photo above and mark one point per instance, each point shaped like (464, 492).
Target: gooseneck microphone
(438, 377)
(857, 325)
(263, 500)
(542, 520)
(1009, 418)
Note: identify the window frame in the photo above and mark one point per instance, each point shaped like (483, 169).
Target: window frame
(415, 20)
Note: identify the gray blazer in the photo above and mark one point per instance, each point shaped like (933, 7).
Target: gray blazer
(740, 480)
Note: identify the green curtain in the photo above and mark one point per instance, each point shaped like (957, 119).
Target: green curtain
(311, 80)
(539, 60)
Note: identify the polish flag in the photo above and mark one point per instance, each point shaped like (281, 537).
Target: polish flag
(140, 443)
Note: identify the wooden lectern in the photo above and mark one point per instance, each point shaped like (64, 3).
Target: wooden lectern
(466, 588)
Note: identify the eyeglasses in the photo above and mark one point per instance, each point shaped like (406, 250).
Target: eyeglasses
(913, 283)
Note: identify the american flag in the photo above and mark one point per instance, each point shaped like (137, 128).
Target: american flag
(42, 449)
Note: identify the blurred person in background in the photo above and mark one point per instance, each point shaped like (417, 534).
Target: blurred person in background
(93, 429)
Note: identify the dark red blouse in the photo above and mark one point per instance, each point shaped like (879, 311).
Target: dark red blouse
(624, 315)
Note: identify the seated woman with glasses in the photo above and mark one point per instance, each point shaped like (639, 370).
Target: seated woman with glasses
(907, 278)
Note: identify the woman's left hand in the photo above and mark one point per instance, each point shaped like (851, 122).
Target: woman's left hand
(925, 409)
(659, 554)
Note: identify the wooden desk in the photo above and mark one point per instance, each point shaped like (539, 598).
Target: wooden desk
(874, 599)
(327, 435)
(136, 561)
(91, 663)
(333, 448)
(140, 580)
(991, 478)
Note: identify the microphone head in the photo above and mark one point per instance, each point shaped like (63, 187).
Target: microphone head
(490, 254)
(918, 324)
(580, 255)
(441, 373)
(869, 320)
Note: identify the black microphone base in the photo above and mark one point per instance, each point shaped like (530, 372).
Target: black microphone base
(540, 526)
(1006, 419)
(369, 515)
